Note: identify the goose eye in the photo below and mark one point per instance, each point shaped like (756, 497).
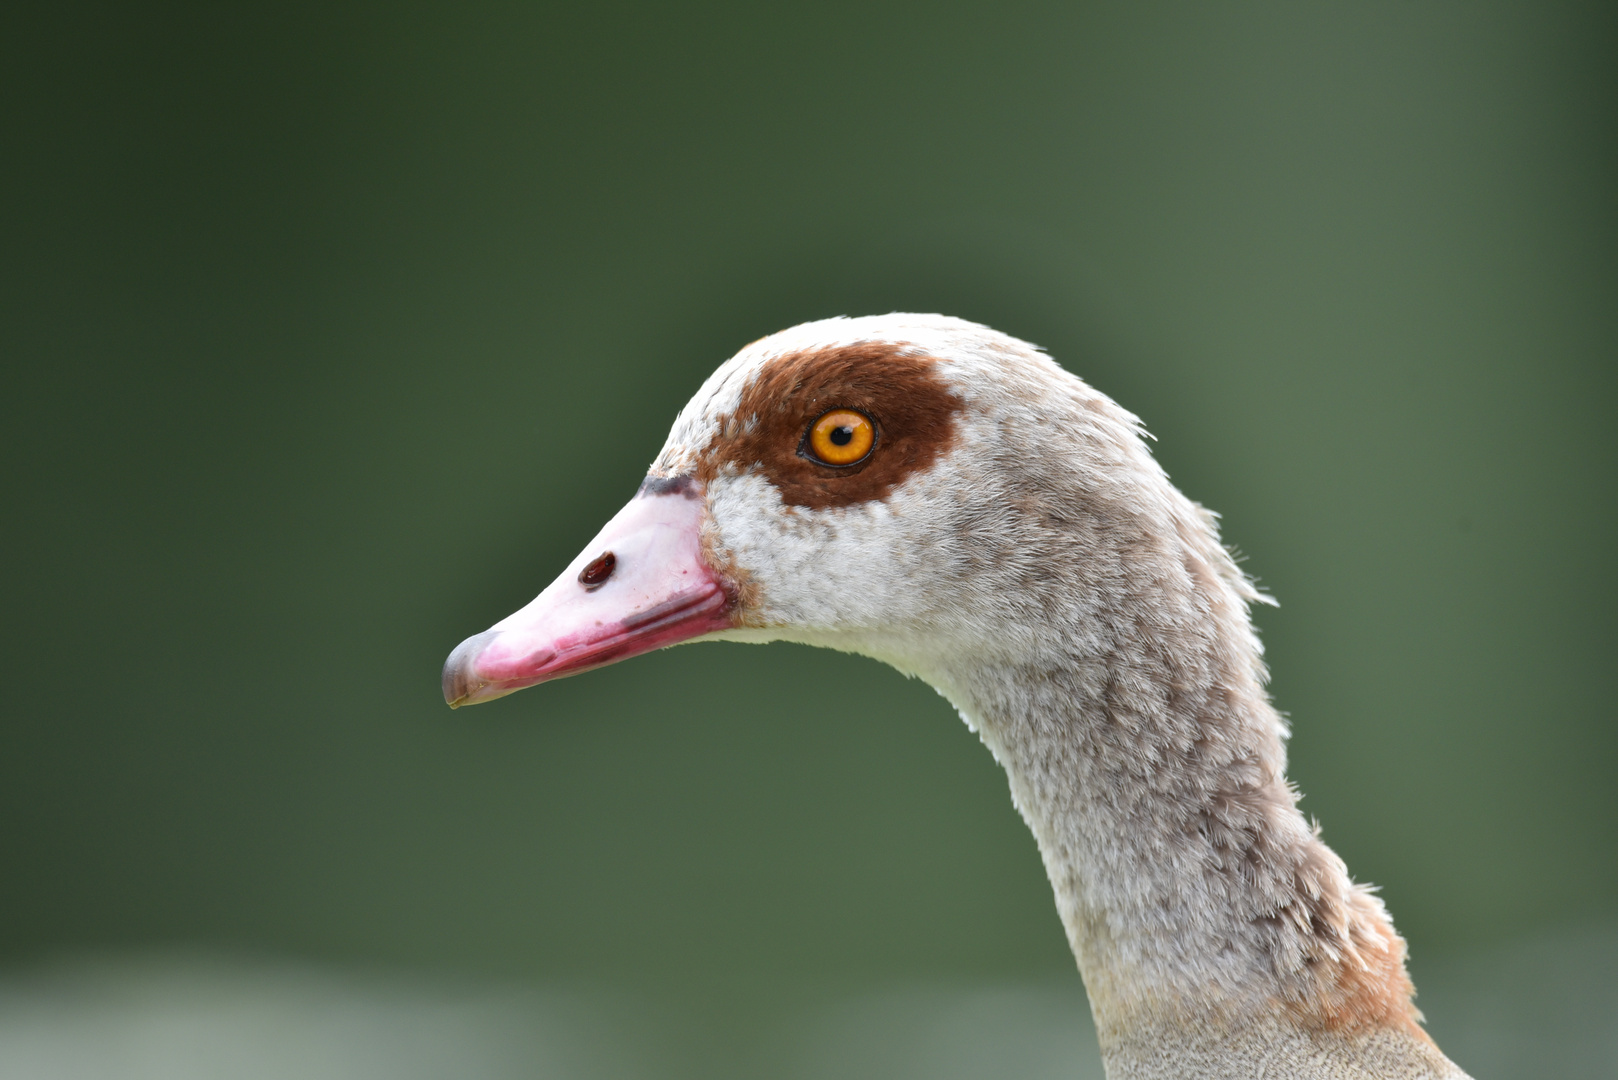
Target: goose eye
(840, 437)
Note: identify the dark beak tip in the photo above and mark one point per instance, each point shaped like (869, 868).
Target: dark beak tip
(452, 686)
(460, 680)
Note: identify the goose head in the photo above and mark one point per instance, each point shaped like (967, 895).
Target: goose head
(915, 488)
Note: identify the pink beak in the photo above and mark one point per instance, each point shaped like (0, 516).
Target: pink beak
(640, 585)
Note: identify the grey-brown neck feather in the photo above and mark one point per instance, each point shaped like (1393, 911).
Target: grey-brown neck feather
(1166, 824)
(1150, 768)
(1127, 705)
(1206, 916)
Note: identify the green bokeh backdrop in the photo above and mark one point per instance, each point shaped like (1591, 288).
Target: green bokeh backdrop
(331, 334)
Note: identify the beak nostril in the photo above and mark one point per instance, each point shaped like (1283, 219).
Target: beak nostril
(600, 569)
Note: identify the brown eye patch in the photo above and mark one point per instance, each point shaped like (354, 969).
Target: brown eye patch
(902, 395)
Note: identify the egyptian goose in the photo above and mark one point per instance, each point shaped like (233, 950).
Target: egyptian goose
(946, 499)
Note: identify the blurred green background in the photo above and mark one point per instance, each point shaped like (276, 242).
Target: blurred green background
(332, 332)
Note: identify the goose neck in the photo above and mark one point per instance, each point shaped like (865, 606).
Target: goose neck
(1194, 894)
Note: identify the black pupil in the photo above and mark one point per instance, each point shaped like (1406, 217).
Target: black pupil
(842, 436)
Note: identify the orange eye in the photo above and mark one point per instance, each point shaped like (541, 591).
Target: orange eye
(841, 437)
